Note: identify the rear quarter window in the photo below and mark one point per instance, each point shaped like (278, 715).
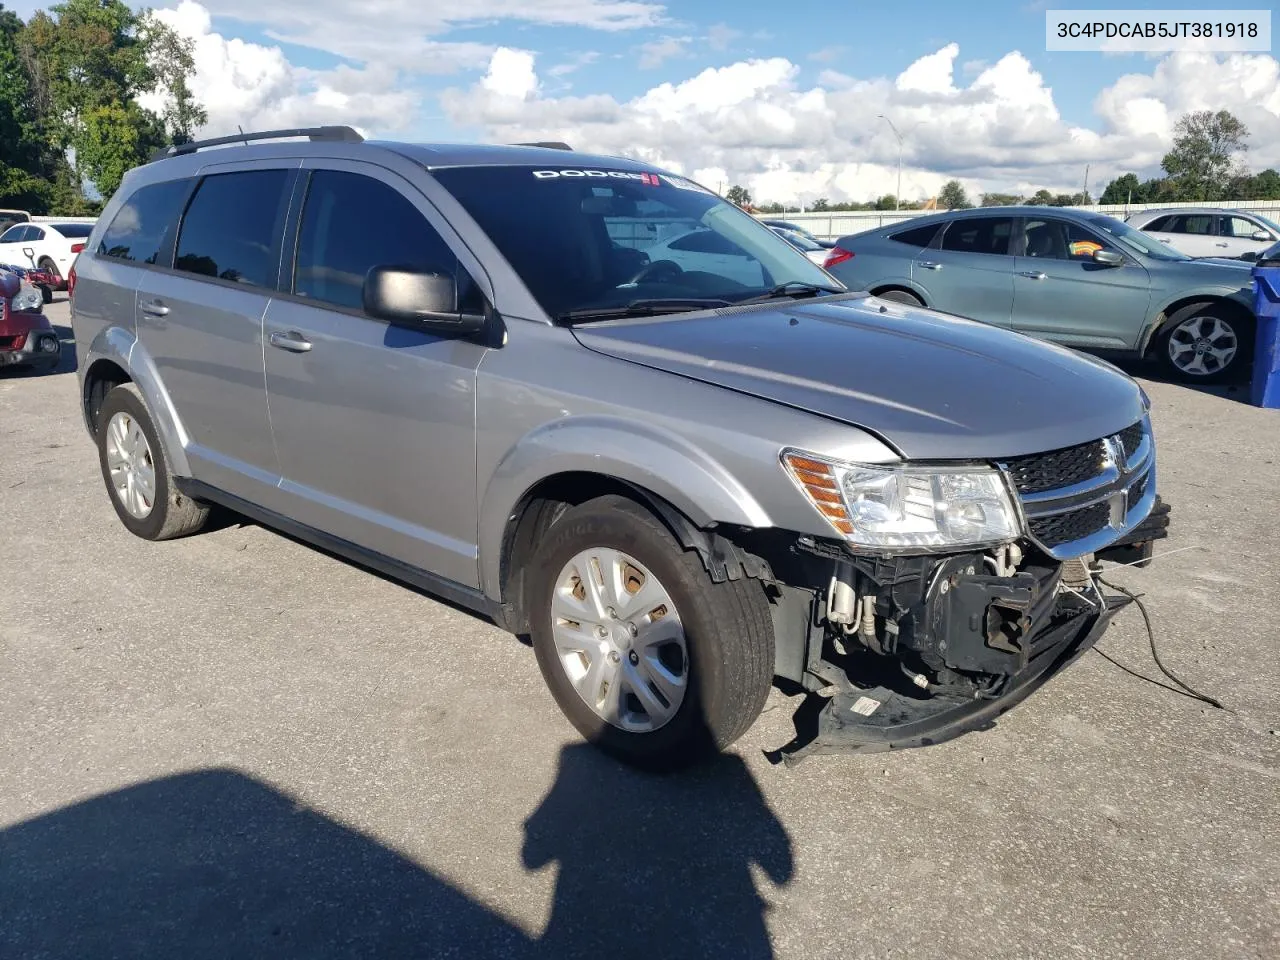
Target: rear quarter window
(139, 230)
(917, 236)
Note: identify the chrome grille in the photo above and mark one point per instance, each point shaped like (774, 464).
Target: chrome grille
(1077, 500)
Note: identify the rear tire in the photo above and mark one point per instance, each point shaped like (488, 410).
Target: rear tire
(1206, 343)
(136, 470)
(717, 661)
(901, 296)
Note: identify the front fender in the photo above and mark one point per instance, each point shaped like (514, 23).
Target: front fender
(657, 460)
(125, 350)
(1242, 296)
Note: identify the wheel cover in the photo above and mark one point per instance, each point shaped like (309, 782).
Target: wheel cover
(1202, 346)
(620, 640)
(131, 465)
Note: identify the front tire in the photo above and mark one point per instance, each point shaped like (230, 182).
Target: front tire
(647, 657)
(136, 470)
(1205, 343)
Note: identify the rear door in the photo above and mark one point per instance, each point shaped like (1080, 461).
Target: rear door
(1193, 234)
(1061, 293)
(11, 243)
(375, 424)
(968, 271)
(201, 321)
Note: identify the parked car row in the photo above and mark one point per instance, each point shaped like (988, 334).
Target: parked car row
(1081, 279)
(27, 339)
(597, 403)
(51, 247)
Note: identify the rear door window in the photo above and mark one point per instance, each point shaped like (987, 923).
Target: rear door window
(1200, 224)
(351, 223)
(979, 235)
(13, 235)
(232, 227)
(138, 231)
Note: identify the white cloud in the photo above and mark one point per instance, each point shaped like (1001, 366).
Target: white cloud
(407, 36)
(255, 86)
(574, 64)
(754, 123)
(511, 74)
(657, 52)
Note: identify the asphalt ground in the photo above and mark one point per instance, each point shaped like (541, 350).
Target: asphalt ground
(233, 745)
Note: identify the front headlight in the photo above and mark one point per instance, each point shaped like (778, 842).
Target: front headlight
(913, 507)
(28, 298)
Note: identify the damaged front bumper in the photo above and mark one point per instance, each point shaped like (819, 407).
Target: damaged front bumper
(913, 651)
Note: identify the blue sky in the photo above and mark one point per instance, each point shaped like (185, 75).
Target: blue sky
(785, 99)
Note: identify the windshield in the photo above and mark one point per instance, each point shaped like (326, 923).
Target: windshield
(595, 239)
(1136, 241)
(1268, 221)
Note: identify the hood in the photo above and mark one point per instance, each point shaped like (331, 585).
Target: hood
(934, 386)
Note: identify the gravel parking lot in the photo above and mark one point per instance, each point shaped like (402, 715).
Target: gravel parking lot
(234, 745)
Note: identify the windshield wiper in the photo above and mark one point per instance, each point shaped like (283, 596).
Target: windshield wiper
(642, 308)
(793, 289)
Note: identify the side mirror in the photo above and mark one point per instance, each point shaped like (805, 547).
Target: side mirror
(1262, 235)
(1108, 258)
(419, 300)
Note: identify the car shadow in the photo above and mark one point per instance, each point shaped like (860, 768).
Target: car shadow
(216, 864)
(1146, 369)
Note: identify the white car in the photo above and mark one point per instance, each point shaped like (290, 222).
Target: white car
(1208, 232)
(815, 251)
(51, 246)
(704, 250)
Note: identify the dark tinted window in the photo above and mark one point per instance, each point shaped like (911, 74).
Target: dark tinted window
(351, 223)
(979, 235)
(1197, 223)
(1159, 223)
(77, 230)
(1063, 240)
(34, 233)
(231, 226)
(13, 235)
(916, 236)
(138, 231)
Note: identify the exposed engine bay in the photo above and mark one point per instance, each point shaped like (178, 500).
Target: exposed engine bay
(908, 651)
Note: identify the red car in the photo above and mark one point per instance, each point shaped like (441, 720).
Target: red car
(27, 338)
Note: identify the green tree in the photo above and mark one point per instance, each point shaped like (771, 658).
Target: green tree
(953, 196)
(1204, 158)
(821, 205)
(88, 62)
(20, 155)
(1124, 189)
(738, 195)
(1000, 200)
(1041, 198)
(887, 202)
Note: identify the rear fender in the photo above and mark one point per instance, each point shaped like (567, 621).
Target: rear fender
(122, 348)
(643, 456)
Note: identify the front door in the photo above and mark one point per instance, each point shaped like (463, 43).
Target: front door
(201, 322)
(969, 272)
(1061, 293)
(374, 424)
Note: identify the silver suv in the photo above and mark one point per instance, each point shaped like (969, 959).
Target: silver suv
(682, 477)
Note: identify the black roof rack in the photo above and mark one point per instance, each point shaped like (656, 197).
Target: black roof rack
(329, 134)
(548, 144)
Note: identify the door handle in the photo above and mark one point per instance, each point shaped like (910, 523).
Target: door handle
(290, 340)
(931, 264)
(1223, 244)
(1033, 275)
(155, 308)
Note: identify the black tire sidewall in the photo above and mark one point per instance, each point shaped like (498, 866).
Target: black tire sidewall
(1244, 344)
(123, 399)
(688, 734)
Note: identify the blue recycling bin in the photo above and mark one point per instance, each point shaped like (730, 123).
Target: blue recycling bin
(1266, 355)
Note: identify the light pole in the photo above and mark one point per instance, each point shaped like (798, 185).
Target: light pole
(897, 197)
